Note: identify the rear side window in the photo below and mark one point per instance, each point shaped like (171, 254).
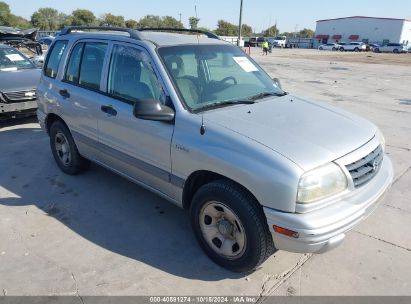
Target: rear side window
(54, 59)
(73, 67)
(91, 65)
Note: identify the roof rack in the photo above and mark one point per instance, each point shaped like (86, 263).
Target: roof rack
(170, 29)
(133, 33)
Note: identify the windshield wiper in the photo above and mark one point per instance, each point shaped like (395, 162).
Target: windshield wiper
(266, 94)
(224, 103)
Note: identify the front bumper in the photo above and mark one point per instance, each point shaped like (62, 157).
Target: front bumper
(324, 229)
(6, 108)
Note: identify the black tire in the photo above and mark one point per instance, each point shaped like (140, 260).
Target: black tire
(320, 48)
(334, 49)
(76, 163)
(376, 50)
(258, 240)
(396, 51)
(356, 50)
(342, 49)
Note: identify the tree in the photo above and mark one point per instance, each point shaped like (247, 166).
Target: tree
(4, 14)
(112, 20)
(172, 22)
(82, 17)
(225, 28)
(150, 21)
(271, 31)
(306, 33)
(64, 20)
(133, 24)
(246, 30)
(45, 19)
(193, 21)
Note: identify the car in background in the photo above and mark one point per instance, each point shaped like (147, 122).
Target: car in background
(372, 46)
(353, 46)
(392, 48)
(19, 77)
(329, 47)
(46, 41)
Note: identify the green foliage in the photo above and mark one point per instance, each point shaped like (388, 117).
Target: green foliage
(82, 17)
(193, 21)
(225, 28)
(112, 20)
(306, 33)
(246, 30)
(45, 19)
(132, 24)
(272, 31)
(8, 19)
(169, 21)
(157, 21)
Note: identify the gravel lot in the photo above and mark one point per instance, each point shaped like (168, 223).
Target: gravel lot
(98, 234)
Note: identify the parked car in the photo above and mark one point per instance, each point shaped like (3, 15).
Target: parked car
(372, 46)
(18, 80)
(258, 169)
(353, 46)
(329, 47)
(47, 41)
(392, 48)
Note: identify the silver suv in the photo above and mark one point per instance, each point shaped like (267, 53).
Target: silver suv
(197, 121)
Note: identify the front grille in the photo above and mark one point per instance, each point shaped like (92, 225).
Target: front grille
(364, 169)
(20, 96)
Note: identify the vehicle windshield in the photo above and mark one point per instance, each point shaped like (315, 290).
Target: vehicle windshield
(13, 60)
(207, 75)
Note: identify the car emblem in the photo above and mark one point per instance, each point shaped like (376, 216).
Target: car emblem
(375, 165)
(30, 94)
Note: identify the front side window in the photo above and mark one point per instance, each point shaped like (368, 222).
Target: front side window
(212, 74)
(131, 76)
(91, 65)
(54, 58)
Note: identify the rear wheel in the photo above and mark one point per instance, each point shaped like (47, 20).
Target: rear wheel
(334, 49)
(377, 50)
(356, 50)
(65, 150)
(342, 49)
(230, 226)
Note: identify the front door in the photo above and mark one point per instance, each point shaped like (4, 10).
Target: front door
(137, 148)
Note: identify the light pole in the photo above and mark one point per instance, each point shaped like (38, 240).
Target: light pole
(240, 23)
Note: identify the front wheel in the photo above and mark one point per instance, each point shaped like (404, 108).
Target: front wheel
(342, 49)
(356, 50)
(396, 51)
(230, 226)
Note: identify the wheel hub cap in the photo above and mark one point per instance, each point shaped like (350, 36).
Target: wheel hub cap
(225, 228)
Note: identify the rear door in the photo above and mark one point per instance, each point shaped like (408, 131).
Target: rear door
(135, 147)
(80, 93)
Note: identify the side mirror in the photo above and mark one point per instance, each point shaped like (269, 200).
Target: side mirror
(277, 83)
(151, 109)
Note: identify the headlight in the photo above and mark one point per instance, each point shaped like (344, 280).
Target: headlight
(321, 183)
(380, 138)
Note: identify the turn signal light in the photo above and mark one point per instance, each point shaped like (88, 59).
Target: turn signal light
(286, 232)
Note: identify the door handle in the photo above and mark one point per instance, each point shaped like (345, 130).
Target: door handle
(109, 110)
(64, 93)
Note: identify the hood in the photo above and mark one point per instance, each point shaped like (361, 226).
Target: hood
(21, 80)
(307, 133)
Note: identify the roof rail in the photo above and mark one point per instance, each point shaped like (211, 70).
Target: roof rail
(170, 29)
(133, 33)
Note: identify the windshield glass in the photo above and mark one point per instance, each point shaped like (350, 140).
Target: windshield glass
(12, 60)
(215, 74)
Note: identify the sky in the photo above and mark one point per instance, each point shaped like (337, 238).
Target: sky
(260, 14)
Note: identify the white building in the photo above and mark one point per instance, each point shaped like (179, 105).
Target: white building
(366, 29)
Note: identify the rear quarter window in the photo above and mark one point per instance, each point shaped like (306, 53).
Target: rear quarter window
(53, 60)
